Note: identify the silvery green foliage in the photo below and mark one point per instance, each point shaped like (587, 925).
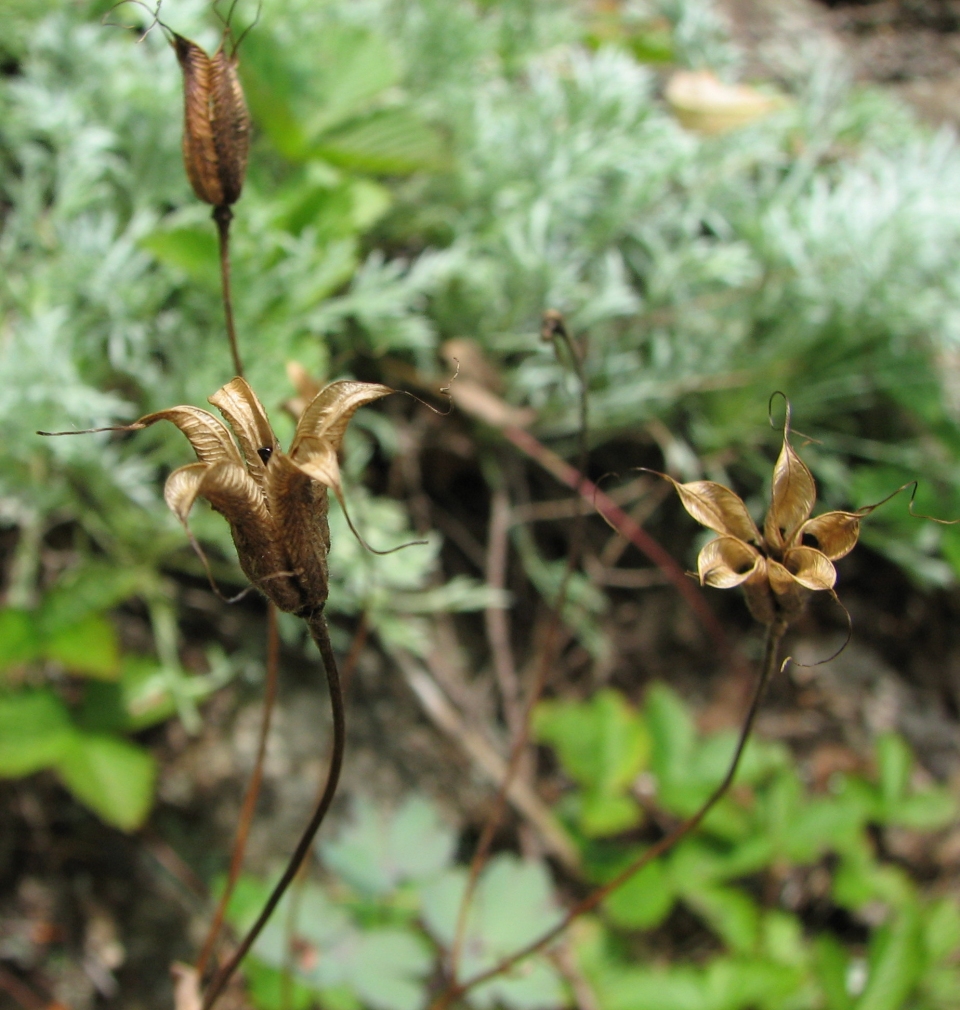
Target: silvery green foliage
(109, 299)
(811, 252)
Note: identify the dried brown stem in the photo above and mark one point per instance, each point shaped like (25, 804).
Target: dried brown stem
(20, 992)
(223, 216)
(554, 329)
(619, 519)
(496, 618)
(318, 629)
(253, 790)
(767, 667)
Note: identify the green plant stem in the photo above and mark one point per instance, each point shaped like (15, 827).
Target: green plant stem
(223, 216)
(318, 629)
(768, 664)
(253, 789)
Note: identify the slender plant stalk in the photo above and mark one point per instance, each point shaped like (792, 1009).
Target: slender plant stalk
(347, 669)
(557, 332)
(253, 789)
(223, 216)
(496, 618)
(20, 992)
(624, 525)
(318, 629)
(768, 665)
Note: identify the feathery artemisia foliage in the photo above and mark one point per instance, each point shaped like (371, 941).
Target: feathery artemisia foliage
(777, 569)
(274, 501)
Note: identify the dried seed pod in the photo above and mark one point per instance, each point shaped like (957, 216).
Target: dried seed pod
(216, 129)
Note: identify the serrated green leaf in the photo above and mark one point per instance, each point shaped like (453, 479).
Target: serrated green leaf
(381, 849)
(35, 730)
(89, 648)
(513, 904)
(392, 141)
(365, 66)
(19, 639)
(388, 968)
(112, 777)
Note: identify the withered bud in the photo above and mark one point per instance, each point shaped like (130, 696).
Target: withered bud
(216, 128)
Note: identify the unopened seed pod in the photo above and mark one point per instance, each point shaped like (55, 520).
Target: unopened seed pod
(216, 128)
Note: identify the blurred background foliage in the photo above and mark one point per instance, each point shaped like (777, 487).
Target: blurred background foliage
(425, 170)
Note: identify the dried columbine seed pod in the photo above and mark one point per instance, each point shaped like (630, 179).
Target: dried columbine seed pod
(274, 501)
(216, 128)
(776, 569)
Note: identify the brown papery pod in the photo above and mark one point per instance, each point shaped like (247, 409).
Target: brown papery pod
(216, 128)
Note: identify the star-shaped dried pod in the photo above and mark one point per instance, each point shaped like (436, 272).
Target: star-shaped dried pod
(777, 569)
(274, 501)
(216, 129)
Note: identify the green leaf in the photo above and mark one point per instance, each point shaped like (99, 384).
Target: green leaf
(894, 763)
(513, 904)
(672, 734)
(271, 83)
(925, 811)
(92, 587)
(941, 929)
(603, 744)
(379, 850)
(831, 965)
(190, 250)
(89, 648)
(360, 66)
(644, 901)
(392, 141)
(388, 967)
(601, 814)
(641, 988)
(267, 990)
(35, 730)
(19, 640)
(730, 914)
(111, 776)
(895, 963)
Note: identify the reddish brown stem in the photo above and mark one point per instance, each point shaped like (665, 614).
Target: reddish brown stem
(624, 525)
(556, 330)
(253, 790)
(456, 990)
(318, 629)
(223, 216)
(20, 992)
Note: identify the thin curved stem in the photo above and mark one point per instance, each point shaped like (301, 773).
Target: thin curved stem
(771, 648)
(554, 329)
(253, 790)
(223, 216)
(318, 629)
